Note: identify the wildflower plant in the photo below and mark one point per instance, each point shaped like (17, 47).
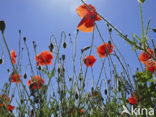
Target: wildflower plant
(55, 89)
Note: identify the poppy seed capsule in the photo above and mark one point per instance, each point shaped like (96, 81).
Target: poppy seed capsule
(59, 70)
(105, 91)
(2, 26)
(70, 79)
(154, 30)
(24, 39)
(51, 47)
(64, 45)
(63, 57)
(76, 96)
(1, 61)
(39, 67)
(25, 76)
(110, 29)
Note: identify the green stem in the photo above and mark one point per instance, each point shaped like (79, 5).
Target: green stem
(142, 25)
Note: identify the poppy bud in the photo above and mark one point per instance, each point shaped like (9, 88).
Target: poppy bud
(155, 50)
(64, 45)
(80, 78)
(39, 68)
(25, 76)
(105, 91)
(154, 30)
(110, 29)
(70, 79)
(76, 96)
(63, 69)
(24, 39)
(84, 49)
(77, 30)
(1, 61)
(141, 1)
(33, 42)
(69, 34)
(2, 26)
(63, 57)
(59, 70)
(19, 31)
(51, 47)
(22, 101)
(109, 43)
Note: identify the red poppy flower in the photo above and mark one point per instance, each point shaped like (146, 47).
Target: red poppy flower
(13, 56)
(104, 50)
(10, 107)
(89, 60)
(88, 18)
(150, 65)
(44, 58)
(133, 99)
(36, 82)
(144, 56)
(15, 78)
(81, 111)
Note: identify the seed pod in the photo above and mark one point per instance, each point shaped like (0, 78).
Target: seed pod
(63, 57)
(51, 47)
(70, 79)
(85, 48)
(109, 43)
(25, 76)
(105, 91)
(39, 68)
(59, 70)
(110, 29)
(76, 96)
(64, 45)
(1, 61)
(24, 39)
(2, 26)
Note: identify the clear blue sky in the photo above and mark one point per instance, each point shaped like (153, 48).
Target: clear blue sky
(38, 19)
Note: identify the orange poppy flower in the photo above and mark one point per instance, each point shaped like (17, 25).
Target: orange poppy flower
(15, 78)
(44, 58)
(104, 50)
(88, 18)
(13, 56)
(89, 60)
(144, 56)
(150, 65)
(133, 99)
(36, 82)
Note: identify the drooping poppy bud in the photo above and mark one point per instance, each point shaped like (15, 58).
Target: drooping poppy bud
(1, 61)
(2, 26)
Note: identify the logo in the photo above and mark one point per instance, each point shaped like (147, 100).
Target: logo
(138, 111)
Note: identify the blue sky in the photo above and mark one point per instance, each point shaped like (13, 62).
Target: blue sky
(38, 19)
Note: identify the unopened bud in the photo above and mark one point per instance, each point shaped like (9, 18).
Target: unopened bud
(2, 26)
